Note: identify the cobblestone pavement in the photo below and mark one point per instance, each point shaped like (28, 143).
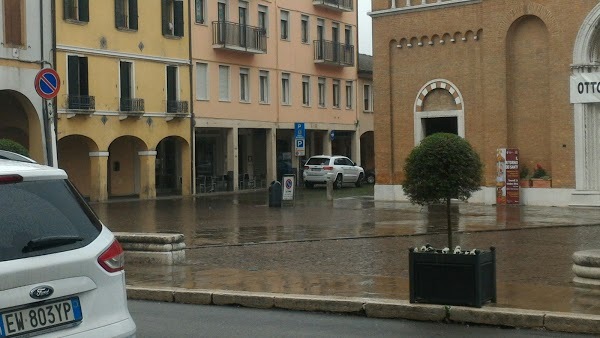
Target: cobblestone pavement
(356, 247)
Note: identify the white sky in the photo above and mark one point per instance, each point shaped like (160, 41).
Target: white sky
(365, 45)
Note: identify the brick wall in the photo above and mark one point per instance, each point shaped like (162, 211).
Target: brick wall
(510, 59)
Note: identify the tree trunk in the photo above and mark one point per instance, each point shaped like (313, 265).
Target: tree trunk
(449, 224)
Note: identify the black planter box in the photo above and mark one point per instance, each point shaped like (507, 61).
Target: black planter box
(452, 279)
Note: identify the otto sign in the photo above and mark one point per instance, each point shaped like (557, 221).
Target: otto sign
(585, 88)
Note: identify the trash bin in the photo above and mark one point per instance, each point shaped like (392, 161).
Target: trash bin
(275, 194)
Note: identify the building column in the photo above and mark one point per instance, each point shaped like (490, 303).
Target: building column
(147, 174)
(99, 176)
(187, 179)
(327, 143)
(271, 155)
(356, 148)
(232, 155)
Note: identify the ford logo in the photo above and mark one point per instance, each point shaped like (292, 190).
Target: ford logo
(41, 292)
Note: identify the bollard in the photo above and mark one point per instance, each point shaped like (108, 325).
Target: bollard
(330, 190)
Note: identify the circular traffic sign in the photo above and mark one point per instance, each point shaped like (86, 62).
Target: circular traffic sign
(47, 83)
(289, 183)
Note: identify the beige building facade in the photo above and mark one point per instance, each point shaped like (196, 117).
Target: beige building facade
(260, 67)
(502, 74)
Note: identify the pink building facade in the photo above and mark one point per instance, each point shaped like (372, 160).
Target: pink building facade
(259, 67)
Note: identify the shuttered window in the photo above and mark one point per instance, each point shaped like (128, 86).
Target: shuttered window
(202, 81)
(224, 83)
(78, 10)
(200, 11)
(172, 18)
(126, 14)
(13, 22)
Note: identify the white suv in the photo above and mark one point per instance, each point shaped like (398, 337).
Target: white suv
(338, 169)
(61, 269)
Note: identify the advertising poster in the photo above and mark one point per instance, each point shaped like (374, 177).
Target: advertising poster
(507, 176)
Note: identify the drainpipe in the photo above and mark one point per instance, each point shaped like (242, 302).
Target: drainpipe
(192, 116)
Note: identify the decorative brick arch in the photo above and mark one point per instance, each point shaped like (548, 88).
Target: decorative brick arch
(419, 114)
(438, 84)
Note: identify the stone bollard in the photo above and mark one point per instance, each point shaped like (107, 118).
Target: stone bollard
(330, 190)
(152, 248)
(586, 266)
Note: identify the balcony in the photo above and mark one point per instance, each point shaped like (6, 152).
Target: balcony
(131, 107)
(177, 109)
(81, 103)
(332, 53)
(243, 38)
(338, 5)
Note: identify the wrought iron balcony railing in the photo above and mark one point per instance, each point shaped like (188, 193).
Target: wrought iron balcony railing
(131, 105)
(81, 102)
(231, 35)
(341, 5)
(333, 53)
(177, 107)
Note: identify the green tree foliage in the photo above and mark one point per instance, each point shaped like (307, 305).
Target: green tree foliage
(10, 145)
(443, 167)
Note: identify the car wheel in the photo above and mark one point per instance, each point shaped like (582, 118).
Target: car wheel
(309, 185)
(371, 179)
(359, 181)
(337, 184)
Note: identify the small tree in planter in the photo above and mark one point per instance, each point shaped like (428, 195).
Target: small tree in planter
(442, 167)
(15, 147)
(445, 167)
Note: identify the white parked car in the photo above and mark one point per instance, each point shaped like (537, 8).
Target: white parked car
(338, 169)
(61, 269)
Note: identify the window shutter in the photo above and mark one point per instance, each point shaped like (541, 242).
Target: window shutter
(165, 17)
(83, 76)
(224, 83)
(201, 81)
(119, 15)
(178, 15)
(73, 63)
(200, 11)
(133, 14)
(171, 83)
(67, 9)
(84, 10)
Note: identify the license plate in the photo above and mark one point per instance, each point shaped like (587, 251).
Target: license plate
(316, 169)
(40, 317)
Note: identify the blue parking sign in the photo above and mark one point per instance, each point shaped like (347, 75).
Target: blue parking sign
(299, 131)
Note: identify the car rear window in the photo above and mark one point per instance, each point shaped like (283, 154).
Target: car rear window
(41, 209)
(318, 161)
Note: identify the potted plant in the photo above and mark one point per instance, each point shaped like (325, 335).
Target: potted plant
(524, 181)
(445, 167)
(540, 178)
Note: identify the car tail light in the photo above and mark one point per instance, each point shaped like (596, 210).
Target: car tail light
(113, 259)
(306, 167)
(328, 168)
(6, 179)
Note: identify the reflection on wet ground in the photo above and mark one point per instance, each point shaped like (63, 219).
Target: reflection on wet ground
(354, 246)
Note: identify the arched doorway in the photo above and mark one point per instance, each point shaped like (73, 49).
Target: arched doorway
(169, 165)
(74, 158)
(438, 108)
(586, 61)
(19, 121)
(124, 168)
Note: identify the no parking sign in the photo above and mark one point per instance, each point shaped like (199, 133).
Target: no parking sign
(47, 83)
(288, 187)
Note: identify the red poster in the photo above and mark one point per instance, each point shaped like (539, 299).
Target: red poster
(512, 176)
(507, 176)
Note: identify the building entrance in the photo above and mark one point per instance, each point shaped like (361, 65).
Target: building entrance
(440, 125)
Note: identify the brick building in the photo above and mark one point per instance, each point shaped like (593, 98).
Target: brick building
(502, 74)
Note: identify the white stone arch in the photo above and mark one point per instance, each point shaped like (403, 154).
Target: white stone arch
(586, 119)
(419, 114)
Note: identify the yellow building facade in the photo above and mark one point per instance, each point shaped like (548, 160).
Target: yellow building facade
(124, 120)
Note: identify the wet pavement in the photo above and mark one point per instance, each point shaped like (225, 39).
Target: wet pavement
(356, 247)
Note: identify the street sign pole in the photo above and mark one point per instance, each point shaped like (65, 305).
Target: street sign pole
(47, 85)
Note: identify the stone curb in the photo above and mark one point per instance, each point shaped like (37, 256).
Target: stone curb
(376, 308)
